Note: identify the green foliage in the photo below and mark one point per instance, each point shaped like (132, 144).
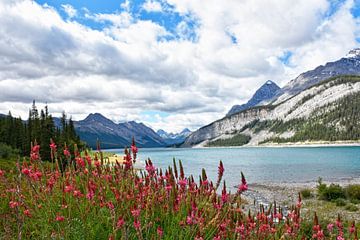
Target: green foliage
(351, 207)
(321, 186)
(306, 193)
(355, 201)
(340, 202)
(353, 192)
(348, 196)
(7, 164)
(7, 152)
(332, 192)
(16, 134)
(237, 140)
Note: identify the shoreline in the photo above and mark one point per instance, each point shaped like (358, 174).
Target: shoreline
(287, 192)
(292, 145)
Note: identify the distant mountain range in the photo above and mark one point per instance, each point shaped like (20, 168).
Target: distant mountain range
(264, 93)
(319, 105)
(111, 135)
(174, 138)
(119, 135)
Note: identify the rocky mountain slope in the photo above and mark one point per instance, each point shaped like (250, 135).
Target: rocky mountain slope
(266, 92)
(112, 135)
(316, 113)
(174, 138)
(348, 65)
(309, 97)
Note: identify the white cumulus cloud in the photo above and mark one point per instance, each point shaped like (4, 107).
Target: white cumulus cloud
(69, 10)
(152, 6)
(131, 65)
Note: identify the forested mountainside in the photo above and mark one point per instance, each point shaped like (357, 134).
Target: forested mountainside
(327, 111)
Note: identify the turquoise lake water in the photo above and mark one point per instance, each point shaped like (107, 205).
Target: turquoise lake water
(262, 165)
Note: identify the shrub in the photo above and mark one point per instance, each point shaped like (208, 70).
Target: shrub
(306, 193)
(353, 191)
(331, 192)
(340, 202)
(7, 152)
(321, 187)
(355, 201)
(351, 207)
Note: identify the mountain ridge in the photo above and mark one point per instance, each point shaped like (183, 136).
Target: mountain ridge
(348, 65)
(266, 92)
(112, 135)
(302, 97)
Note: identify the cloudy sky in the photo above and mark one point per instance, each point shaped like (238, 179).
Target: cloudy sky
(168, 63)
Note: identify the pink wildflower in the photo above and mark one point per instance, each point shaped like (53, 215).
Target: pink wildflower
(60, 218)
(221, 169)
(52, 145)
(135, 212)
(66, 152)
(182, 182)
(14, 204)
(34, 154)
(160, 232)
(27, 213)
(120, 222)
(330, 227)
(243, 186)
(25, 171)
(352, 228)
(137, 224)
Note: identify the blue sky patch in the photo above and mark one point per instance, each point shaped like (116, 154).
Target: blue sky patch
(150, 115)
(285, 58)
(167, 18)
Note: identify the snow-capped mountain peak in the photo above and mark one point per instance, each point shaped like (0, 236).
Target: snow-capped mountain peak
(174, 138)
(354, 53)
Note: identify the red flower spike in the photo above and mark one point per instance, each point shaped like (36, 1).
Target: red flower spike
(243, 186)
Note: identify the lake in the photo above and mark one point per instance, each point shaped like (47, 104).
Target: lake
(262, 164)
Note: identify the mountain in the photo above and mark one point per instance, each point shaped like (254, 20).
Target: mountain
(111, 135)
(321, 104)
(264, 93)
(174, 138)
(348, 65)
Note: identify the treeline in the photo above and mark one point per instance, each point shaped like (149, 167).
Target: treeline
(334, 122)
(236, 140)
(39, 127)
